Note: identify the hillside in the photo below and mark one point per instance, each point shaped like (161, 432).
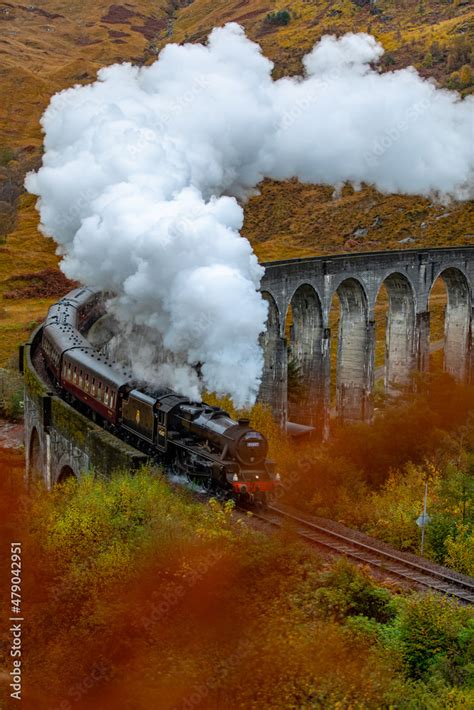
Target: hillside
(50, 47)
(296, 220)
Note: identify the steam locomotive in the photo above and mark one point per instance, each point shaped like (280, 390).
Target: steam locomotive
(203, 443)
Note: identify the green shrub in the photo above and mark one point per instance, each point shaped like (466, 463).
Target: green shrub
(440, 527)
(428, 60)
(437, 637)
(347, 591)
(82, 523)
(466, 76)
(388, 60)
(282, 17)
(6, 155)
(460, 549)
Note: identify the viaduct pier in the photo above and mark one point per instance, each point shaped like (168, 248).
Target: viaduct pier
(307, 287)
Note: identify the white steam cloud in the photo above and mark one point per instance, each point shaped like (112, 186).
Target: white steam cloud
(143, 168)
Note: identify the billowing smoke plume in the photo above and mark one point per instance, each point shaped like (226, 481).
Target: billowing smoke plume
(142, 171)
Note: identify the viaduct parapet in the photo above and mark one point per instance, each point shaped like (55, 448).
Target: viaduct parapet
(307, 287)
(59, 441)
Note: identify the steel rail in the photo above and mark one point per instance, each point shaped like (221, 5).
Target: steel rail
(442, 581)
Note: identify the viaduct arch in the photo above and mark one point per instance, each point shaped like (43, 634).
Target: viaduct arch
(306, 287)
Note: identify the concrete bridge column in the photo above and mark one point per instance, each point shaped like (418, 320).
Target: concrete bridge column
(355, 353)
(457, 324)
(326, 380)
(470, 359)
(422, 341)
(400, 333)
(367, 404)
(305, 351)
(281, 384)
(273, 390)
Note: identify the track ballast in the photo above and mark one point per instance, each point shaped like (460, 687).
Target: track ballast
(391, 563)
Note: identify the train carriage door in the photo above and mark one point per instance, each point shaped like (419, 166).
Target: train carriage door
(161, 434)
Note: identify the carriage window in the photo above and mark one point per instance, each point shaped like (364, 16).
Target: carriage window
(74, 377)
(112, 398)
(86, 384)
(93, 387)
(80, 379)
(99, 391)
(106, 396)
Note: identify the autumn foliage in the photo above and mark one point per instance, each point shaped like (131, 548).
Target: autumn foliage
(135, 596)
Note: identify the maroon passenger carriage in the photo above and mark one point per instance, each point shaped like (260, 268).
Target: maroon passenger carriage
(204, 443)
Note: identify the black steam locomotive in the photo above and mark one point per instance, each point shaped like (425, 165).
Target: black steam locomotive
(226, 457)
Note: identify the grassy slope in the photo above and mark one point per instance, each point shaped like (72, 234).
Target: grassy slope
(293, 220)
(46, 48)
(40, 55)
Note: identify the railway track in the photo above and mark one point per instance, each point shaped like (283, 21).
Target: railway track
(417, 572)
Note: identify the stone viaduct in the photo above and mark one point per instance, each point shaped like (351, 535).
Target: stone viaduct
(60, 442)
(307, 287)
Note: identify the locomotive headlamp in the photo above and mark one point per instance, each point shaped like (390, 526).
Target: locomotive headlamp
(235, 477)
(277, 477)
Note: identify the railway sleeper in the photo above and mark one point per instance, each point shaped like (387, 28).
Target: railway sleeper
(368, 559)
